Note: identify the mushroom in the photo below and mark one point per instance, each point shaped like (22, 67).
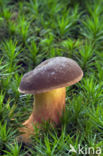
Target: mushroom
(48, 82)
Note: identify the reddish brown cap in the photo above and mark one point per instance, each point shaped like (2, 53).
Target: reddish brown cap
(53, 73)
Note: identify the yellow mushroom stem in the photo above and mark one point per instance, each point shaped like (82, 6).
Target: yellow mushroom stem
(47, 106)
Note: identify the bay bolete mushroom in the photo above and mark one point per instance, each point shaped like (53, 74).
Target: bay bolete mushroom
(47, 83)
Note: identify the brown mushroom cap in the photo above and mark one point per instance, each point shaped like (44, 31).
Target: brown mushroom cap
(53, 73)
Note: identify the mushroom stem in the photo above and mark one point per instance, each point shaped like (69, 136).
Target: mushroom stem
(47, 106)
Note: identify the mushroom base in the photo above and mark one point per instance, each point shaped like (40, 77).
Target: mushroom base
(48, 106)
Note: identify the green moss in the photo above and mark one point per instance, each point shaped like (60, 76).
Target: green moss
(32, 31)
